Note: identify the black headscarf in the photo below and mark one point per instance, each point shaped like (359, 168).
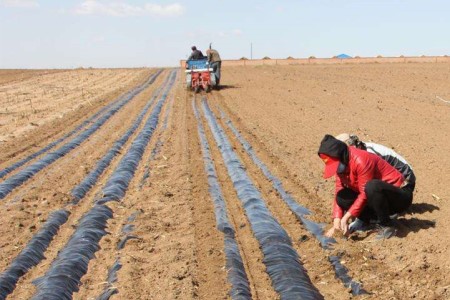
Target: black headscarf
(334, 147)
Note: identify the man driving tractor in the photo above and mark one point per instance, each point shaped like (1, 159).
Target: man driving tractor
(196, 54)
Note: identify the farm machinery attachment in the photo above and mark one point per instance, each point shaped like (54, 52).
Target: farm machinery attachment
(199, 75)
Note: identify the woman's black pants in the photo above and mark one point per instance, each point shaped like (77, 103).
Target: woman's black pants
(383, 200)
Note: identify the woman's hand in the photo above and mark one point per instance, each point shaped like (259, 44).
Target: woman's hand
(330, 232)
(344, 223)
(336, 226)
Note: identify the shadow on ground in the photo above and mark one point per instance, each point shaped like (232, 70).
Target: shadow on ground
(224, 87)
(406, 226)
(420, 208)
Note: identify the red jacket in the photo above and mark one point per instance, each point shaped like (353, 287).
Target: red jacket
(363, 167)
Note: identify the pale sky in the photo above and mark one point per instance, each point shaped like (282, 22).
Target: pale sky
(151, 33)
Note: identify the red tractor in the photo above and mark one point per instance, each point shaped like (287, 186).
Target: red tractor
(199, 75)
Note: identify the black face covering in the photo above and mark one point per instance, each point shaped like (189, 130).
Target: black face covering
(341, 168)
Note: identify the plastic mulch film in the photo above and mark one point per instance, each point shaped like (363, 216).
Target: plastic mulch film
(115, 187)
(237, 276)
(314, 228)
(18, 179)
(155, 151)
(283, 265)
(32, 254)
(89, 181)
(20, 163)
(126, 231)
(342, 274)
(110, 289)
(167, 113)
(157, 148)
(64, 275)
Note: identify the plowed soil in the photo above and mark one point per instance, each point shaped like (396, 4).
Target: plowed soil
(283, 112)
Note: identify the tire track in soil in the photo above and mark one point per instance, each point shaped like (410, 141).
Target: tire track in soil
(25, 288)
(163, 264)
(252, 256)
(313, 257)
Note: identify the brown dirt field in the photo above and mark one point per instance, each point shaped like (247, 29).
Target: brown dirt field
(44, 97)
(287, 110)
(9, 75)
(283, 111)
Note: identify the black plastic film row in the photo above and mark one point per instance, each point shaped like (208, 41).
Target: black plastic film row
(314, 228)
(89, 181)
(25, 160)
(115, 187)
(64, 275)
(18, 179)
(240, 288)
(289, 277)
(33, 253)
(112, 278)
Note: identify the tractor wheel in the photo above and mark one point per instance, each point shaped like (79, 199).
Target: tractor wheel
(197, 89)
(208, 88)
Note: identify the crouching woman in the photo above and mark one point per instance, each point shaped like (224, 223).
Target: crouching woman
(367, 187)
